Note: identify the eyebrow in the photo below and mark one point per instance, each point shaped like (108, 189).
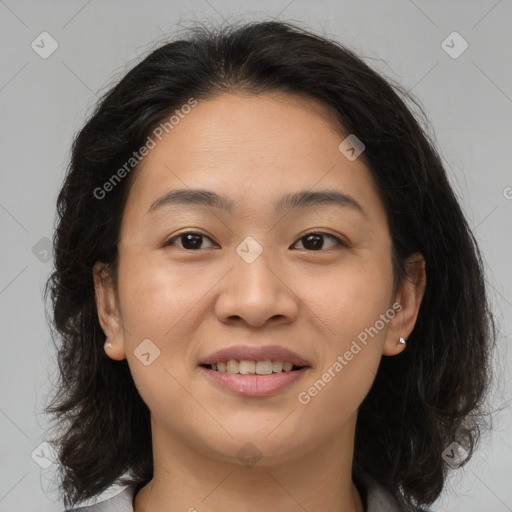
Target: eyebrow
(301, 199)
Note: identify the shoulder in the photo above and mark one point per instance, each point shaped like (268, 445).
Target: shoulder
(121, 502)
(375, 496)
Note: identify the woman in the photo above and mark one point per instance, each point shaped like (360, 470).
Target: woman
(267, 295)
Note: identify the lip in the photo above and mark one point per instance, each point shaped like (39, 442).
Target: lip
(252, 353)
(253, 385)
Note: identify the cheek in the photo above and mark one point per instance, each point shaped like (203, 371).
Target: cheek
(156, 296)
(335, 393)
(160, 304)
(351, 308)
(347, 298)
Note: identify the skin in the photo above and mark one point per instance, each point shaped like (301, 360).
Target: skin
(191, 302)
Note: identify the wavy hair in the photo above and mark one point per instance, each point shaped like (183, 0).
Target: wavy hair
(421, 401)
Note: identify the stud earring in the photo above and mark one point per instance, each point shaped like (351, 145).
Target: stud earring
(402, 341)
(108, 345)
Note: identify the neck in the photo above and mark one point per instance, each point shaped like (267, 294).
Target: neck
(320, 479)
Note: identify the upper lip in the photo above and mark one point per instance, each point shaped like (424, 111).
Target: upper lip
(252, 353)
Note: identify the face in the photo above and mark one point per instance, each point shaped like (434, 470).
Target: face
(313, 277)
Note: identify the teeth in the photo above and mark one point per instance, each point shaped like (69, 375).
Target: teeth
(264, 367)
(232, 367)
(245, 367)
(277, 366)
(287, 366)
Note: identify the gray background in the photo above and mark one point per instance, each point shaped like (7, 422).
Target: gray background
(44, 101)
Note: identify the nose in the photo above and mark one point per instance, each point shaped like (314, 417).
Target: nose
(257, 293)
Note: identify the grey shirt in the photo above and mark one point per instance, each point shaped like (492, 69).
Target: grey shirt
(377, 499)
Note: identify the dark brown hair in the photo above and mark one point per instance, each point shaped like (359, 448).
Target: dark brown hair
(421, 401)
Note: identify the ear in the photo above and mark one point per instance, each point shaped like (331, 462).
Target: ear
(409, 296)
(108, 311)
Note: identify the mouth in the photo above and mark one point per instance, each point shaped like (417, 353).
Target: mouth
(251, 384)
(246, 367)
(253, 371)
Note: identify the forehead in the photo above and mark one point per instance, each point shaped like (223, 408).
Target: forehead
(252, 148)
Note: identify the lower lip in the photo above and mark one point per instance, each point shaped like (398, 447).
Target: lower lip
(254, 385)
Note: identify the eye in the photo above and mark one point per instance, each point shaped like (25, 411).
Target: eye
(314, 240)
(190, 240)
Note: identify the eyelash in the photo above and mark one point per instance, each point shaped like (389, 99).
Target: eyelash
(338, 241)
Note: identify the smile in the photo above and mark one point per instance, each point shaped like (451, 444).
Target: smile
(245, 367)
(252, 384)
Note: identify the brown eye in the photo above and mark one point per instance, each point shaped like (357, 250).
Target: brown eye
(314, 241)
(189, 240)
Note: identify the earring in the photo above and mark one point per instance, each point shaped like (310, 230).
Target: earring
(402, 341)
(108, 345)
